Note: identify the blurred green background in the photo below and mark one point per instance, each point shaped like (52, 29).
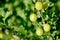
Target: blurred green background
(15, 21)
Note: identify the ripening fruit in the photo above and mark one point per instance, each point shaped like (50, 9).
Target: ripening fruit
(46, 27)
(1, 35)
(33, 17)
(39, 5)
(12, 39)
(39, 31)
(45, 5)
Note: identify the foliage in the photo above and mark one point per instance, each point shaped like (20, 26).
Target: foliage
(15, 21)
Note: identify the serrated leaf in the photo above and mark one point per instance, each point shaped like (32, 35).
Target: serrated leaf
(7, 15)
(21, 13)
(11, 21)
(2, 12)
(22, 30)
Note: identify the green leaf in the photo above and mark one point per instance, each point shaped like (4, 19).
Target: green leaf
(21, 13)
(29, 24)
(7, 15)
(11, 21)
(2, 12)
(22, 30)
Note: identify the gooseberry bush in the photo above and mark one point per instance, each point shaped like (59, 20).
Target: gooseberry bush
(29, 19)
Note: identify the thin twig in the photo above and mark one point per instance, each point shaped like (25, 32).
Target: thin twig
(39, 12)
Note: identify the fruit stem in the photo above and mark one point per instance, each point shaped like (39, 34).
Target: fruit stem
(39, 12)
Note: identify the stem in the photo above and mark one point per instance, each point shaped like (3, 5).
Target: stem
(39, 12)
